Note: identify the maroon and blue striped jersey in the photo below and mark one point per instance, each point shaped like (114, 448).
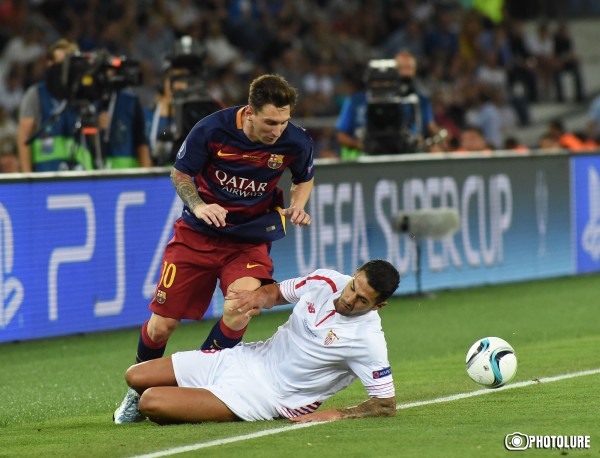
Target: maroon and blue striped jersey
(242, 176)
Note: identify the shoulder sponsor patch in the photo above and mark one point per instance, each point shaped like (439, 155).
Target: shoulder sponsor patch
(382, 372)
(310, 333)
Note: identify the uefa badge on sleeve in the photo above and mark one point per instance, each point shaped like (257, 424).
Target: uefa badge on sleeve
(181, 151)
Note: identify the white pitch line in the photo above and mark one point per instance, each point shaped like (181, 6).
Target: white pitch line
(454, 397)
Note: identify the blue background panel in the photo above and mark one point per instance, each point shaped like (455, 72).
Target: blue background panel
(84, 254)
(586, 211)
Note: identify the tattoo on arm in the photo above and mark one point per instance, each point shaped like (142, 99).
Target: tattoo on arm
(186, 189)
(374, 407)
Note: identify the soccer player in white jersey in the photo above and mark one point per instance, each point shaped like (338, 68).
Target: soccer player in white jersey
(332, 337)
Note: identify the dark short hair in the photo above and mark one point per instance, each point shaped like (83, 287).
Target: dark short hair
(271, 89)
(382, 276)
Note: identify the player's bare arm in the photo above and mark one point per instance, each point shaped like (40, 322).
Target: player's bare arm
(299, 194)
(187, 191)
(373, 407)
(251, 302)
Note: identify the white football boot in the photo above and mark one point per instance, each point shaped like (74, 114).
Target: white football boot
(128, 411)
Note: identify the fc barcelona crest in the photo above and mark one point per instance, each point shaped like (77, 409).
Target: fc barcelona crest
(161, 296)
(331, 337)
(275, 161)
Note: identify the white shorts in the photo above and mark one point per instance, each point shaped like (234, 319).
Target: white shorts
(227, 375)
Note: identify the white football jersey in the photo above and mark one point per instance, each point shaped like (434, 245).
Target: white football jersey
(317, 352)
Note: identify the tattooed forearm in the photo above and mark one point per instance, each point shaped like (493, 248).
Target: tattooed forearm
(374, 407)
(186, 189)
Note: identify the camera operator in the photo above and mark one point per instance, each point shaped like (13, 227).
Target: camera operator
(352, 120)
(182, 101)
(395, 116)
(123, 131)
(64, 108)
(423, 125)
(47, 126)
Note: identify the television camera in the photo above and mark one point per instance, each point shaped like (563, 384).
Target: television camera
(88, 77)
(85, 82)
(190, 101)
(392, 110)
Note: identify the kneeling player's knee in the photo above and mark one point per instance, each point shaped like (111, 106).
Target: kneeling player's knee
(149, 403)
(133, 377)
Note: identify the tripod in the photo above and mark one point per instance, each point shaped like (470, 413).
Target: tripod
(87, 133)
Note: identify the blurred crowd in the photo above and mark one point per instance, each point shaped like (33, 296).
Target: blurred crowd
(480, 67)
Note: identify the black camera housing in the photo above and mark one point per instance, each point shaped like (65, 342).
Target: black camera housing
(89, 77)
(392, 110)
(191, 101)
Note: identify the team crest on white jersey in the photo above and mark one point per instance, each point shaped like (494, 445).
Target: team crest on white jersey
(275, 161)
(331, 337)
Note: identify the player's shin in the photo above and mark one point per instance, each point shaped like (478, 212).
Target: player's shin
(222, 336)
(148, 349)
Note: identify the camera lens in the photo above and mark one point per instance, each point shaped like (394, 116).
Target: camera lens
(516, 441)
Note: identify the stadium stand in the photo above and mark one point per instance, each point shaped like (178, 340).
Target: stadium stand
(316, 45)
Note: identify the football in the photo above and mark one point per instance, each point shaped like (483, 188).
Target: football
(491, 362)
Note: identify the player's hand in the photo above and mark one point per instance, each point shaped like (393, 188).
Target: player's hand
(315, 417)
(247, 302)
(211, 214)
(297, 216)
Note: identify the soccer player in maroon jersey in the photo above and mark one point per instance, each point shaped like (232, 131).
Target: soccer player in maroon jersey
(226, 173)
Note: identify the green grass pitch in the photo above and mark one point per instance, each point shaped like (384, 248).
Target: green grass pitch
(57, 395)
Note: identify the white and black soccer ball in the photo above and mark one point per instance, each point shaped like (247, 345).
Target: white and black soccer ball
(491, 362)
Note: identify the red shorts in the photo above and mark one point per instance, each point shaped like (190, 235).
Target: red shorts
(192, 263)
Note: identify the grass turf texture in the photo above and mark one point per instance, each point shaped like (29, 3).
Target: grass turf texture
(58, 395)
